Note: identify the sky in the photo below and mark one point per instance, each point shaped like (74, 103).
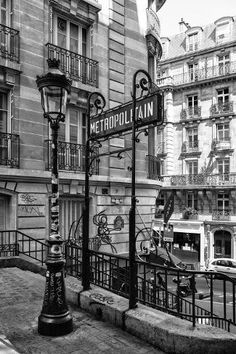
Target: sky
(196, 13)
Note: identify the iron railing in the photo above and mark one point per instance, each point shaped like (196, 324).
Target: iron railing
(14, 243)
(188, 147)
(10, 150)
(154, 166)
(111, 272)
(76, 66)
(201, 179)
(221, 214)
(220, 108)
(10, 43)
(199, 75)
(190, 113)
(71, 157)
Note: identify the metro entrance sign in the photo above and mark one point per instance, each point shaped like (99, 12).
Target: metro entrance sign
(149, 110)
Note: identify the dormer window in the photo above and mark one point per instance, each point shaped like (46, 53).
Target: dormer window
(165, 47)
(193, 38)
(193, 42)
(223, 29)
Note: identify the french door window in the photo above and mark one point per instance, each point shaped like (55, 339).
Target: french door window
(3, 128)
(222, 132)
(223, 62)
(72, 138)
(192, 105)
(192, 138)
(223, 96)
(223, 168)
(223, 202)
(192, 200)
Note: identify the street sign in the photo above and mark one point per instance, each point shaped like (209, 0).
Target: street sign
(168, 233)
(149, 110)
(169, 208)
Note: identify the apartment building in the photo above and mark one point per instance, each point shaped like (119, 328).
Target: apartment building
(196, 146)
(100, 45)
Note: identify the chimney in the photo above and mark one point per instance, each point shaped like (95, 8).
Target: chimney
(183, 26)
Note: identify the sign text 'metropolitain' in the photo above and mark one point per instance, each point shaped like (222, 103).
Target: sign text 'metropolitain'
(119, 119)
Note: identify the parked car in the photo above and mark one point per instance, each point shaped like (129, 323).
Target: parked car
(222, 265)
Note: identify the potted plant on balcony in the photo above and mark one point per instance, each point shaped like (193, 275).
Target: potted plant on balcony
(189, 212)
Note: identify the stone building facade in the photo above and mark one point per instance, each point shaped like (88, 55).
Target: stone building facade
(196, 146)
(100, 45)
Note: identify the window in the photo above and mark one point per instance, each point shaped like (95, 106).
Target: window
(224, 64)
(72, 138)
(222, 131)
(192, 102)
(3, 128)
(223, 201)
(5, 12)
(223, 168)
(70, 36)
(192, 200)
(192, 167)
(193, 42)
(222, 32)
(192, 134)
(193, 71)
(223, 98)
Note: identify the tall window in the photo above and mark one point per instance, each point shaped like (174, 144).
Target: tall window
(72, 138)
(224, 64)
(192, 200)
(223, 96)
(223, 201)
(223, 165)
(5, 12)
(193, 42)
(193, 71)
(3, 112)
(222, 131)
(192, 105)
(192, 134)
(70, 36)
(192, 170)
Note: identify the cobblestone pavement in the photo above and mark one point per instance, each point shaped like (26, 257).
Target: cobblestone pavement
(21, 296)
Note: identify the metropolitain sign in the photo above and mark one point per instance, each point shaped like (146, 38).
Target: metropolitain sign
(149, 110)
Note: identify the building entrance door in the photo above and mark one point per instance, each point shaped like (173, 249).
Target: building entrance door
(222, 244)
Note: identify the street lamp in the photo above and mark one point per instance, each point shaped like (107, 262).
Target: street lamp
(55, 318)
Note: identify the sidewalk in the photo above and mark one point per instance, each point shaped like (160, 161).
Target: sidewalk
(21, 298)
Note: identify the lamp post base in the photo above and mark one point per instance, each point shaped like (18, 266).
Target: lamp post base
(52, 325)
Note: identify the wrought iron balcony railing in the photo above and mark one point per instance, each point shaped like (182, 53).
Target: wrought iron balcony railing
(219, 108)
(199, 75)
(189, 147)
(10, 150)
(221, 144)
(154, 167)
(221, 214)
(71, 157)
(201, 179)
(76, 66)
(190, 113)
(10, 43)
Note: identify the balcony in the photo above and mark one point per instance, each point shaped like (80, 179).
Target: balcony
(190, 113)
(204, 180)
(10, 150)
(222, 144)
(218, 71)
(154, 167)
(71, 157)
(76, 66)
(190, 147)
(10, 44)
(223, 214)
(221, 108)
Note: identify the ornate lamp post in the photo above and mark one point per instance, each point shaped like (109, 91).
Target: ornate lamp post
(55, 318)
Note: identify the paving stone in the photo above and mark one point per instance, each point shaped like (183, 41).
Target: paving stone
(21, 298)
